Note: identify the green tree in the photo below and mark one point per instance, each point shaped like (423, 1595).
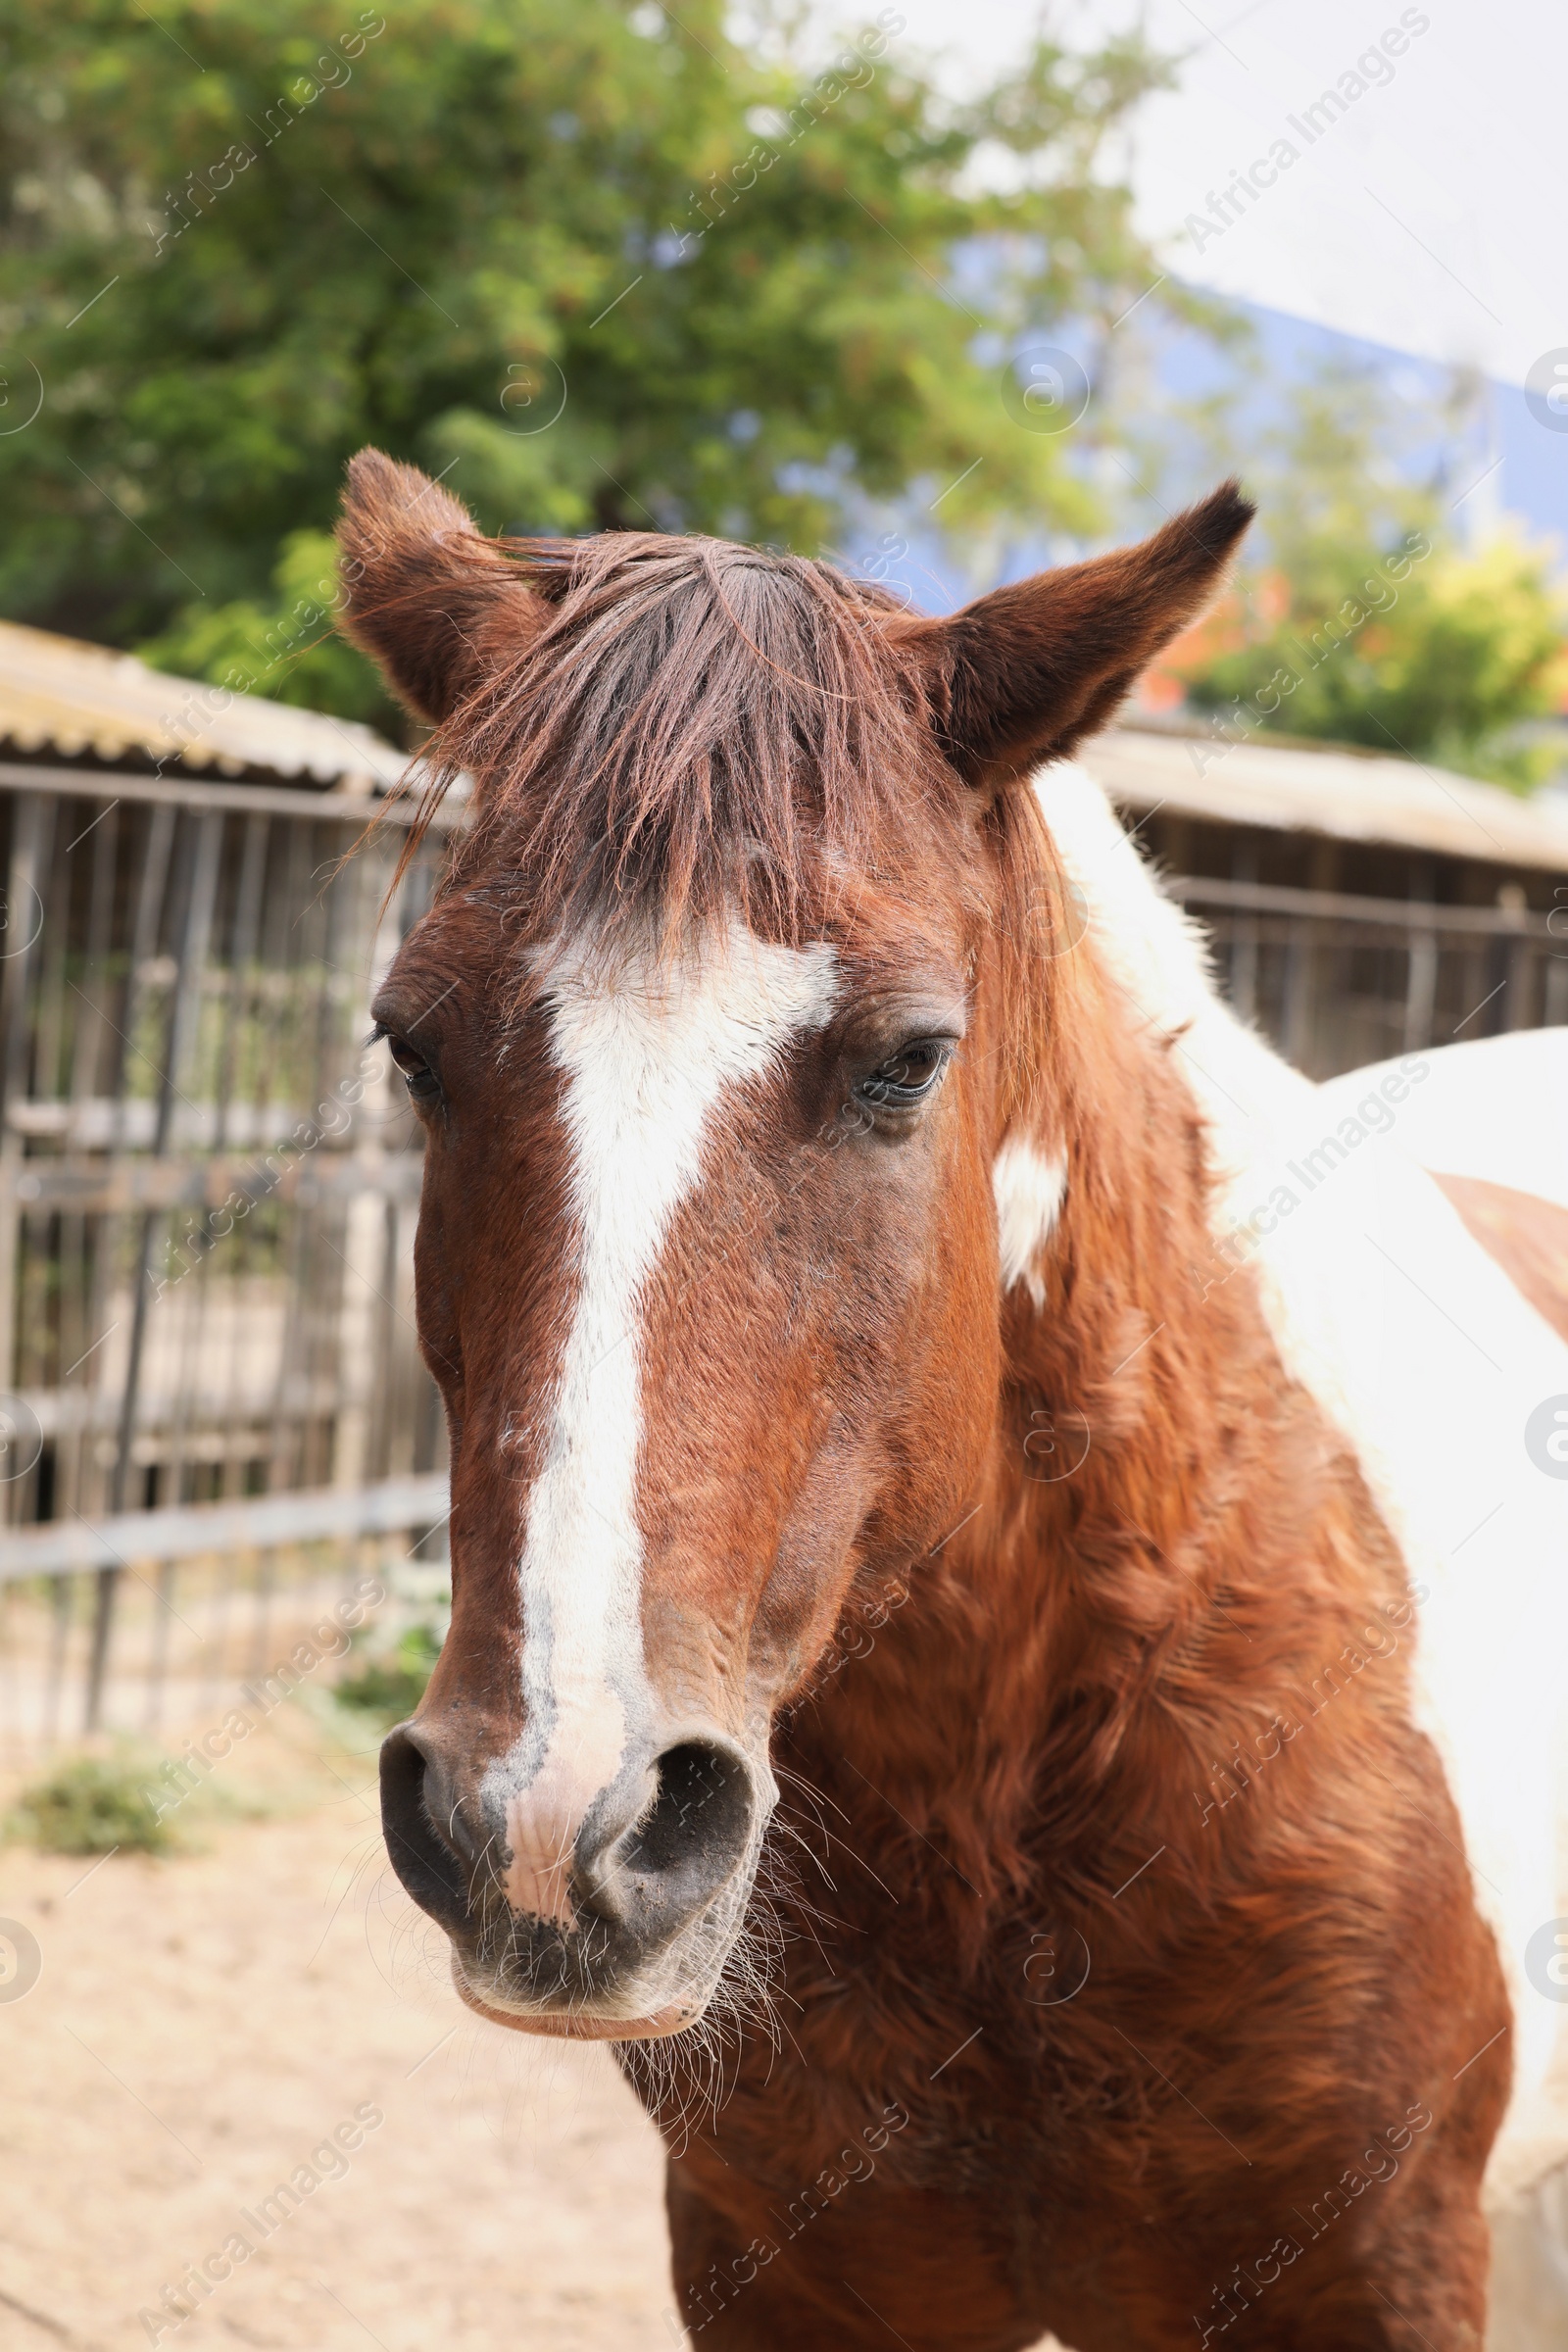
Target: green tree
(1422, 651)
(284, 645)
(1361, 622)
(598, 266)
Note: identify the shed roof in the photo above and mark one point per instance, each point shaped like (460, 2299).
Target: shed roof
(70, 699)
(1346, 794)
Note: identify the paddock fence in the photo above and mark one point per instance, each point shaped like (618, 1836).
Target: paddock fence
(214, 1407)
(1338, 980)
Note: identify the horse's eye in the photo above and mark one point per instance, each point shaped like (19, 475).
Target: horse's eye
(417, 1076)
(906, 1076)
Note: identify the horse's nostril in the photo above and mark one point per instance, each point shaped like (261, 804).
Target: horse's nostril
(421, 1857)
(688, 1845)
(705, 1798)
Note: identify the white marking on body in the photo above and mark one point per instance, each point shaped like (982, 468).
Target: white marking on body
(1029, 1186)
(1421, 1352)
(648, 1052)
(1495, 1107)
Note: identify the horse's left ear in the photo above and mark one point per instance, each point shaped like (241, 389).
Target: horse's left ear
(1023, 674)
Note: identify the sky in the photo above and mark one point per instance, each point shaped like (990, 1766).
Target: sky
(1428, 214)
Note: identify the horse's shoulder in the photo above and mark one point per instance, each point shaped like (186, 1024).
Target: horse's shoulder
(1525, 1235)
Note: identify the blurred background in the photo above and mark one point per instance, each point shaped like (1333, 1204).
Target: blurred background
(947, 296)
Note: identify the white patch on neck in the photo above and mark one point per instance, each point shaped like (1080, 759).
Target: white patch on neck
(1029, 1186)
(1153, 952)
(647, 1052)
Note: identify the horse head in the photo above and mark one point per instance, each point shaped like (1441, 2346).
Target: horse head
(731, 1031)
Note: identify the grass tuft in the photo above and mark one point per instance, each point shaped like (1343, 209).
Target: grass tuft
(93, 1805)
(392, 1685)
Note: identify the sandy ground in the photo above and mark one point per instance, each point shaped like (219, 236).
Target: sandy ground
(202, 2024)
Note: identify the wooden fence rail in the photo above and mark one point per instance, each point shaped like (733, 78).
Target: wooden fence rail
(208, 1186)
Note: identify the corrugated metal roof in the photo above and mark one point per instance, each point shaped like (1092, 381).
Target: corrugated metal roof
(1290, 788)
(86, 701)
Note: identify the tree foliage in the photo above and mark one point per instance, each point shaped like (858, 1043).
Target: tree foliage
(596, 265)
(1362, 620)
(1418, 651)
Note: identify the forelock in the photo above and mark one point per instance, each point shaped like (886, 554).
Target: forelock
(698, 730)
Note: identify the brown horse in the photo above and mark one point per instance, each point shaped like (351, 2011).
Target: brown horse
(930, 1675)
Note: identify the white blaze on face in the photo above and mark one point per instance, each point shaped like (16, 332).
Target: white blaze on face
(647, 1053)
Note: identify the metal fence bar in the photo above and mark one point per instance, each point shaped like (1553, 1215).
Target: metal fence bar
(1421, 988)
(348, 809)
(198, 1530)
(199, 884)
(1347, 906)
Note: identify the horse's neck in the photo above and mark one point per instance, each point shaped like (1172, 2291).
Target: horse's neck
(1113, 1367)
(1150, 1459)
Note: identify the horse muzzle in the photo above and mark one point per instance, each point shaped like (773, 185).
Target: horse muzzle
(601, 1916)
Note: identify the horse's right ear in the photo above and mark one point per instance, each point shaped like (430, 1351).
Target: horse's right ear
(1023, 674)
(431, 602)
